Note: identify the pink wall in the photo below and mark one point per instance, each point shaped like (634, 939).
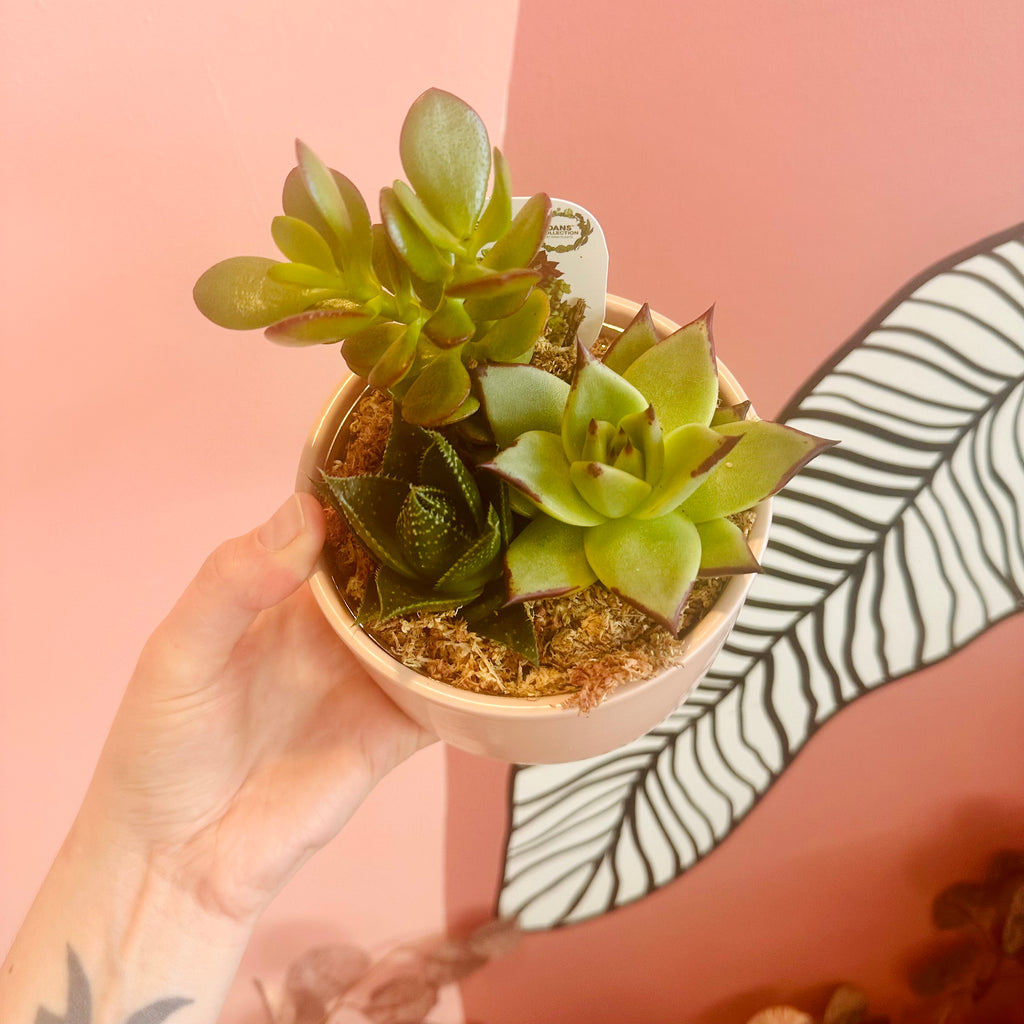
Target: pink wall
(144, 142)
(796, 163)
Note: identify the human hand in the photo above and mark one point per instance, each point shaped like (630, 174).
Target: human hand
(248, 734)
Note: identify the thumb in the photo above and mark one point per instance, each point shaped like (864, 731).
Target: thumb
(243, 577)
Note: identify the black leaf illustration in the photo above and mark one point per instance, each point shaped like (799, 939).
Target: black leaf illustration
(891, 552)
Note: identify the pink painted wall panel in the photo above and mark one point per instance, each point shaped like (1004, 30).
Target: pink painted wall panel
(142, 143)
(797, 164)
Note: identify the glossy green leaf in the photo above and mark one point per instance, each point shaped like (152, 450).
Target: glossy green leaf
(237, 293)
(650, 563)
(324, 191)
(302, 275)
(724, 550)
(547, 559)
(409, 241)
(361, 351)
(521, 398)
(301, 243)
(439, 390)
(392, 273)
(446, 155)
(768, 455)
(639, 335)
(611, 492)
(394, 364)
(537, 466)
(514, 337)
(319, 326)
(497, 215)
(596, 393)
(691, 452)
(450, 325)
(679, 376)
(371, 506)
(496, 284)
(463, 411)
(518, 246)
(425, 220)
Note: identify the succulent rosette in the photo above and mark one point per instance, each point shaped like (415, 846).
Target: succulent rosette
(441, 282)
(436, 535)
(630, 474)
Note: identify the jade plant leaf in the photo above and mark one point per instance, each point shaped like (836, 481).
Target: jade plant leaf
(522, 240)
(237, 293)
(446, 155)
(319, 326)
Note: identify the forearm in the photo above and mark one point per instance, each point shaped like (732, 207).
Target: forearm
(113, 933)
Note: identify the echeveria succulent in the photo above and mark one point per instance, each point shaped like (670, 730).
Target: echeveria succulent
(632, 472)
(442, 281)
(437, 537)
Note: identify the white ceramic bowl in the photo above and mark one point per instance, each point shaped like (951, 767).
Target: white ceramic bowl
(529, 730)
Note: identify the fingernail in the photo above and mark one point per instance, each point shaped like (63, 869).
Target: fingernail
(283, 526)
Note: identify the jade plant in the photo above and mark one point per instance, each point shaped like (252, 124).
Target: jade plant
(443, 281)
(437, 535)
(630, 474)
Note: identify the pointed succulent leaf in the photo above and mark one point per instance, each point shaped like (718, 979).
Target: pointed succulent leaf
(596, 393)
(302, 275)
(450, 325)
(362, 350)
(638, 336)
(611, 492)
(394, 364)
(644, 431)
(650, 563)
(522, 240)
(429, 535)
(301, 243)
(446, 155)
(478, 563)
(392, 273)
(691, 453)
(730, 414)
(371, 505)
(767, 457)
(495, 492)
(509, 626)
(237, 293)
(597, 444)
(536, 465)
(441, 467)
(679, 376)
(547, 559)
(319, 326)
(521, 398)
(399, 595)
(630, 459)
(409, 241)
(497, 215)
(439, 389)
(425, 220)
(512, 338)
(724, 550)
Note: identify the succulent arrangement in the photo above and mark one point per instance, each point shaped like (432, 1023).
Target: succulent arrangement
(502, 483)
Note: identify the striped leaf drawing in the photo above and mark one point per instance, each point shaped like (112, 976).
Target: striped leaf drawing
(891, 552)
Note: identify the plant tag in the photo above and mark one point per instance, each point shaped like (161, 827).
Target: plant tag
(576, 255)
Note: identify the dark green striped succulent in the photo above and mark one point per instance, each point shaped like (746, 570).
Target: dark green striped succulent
(437, 534)
(442, 282)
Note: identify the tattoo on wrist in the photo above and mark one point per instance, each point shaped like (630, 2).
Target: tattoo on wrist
(79, 1004)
